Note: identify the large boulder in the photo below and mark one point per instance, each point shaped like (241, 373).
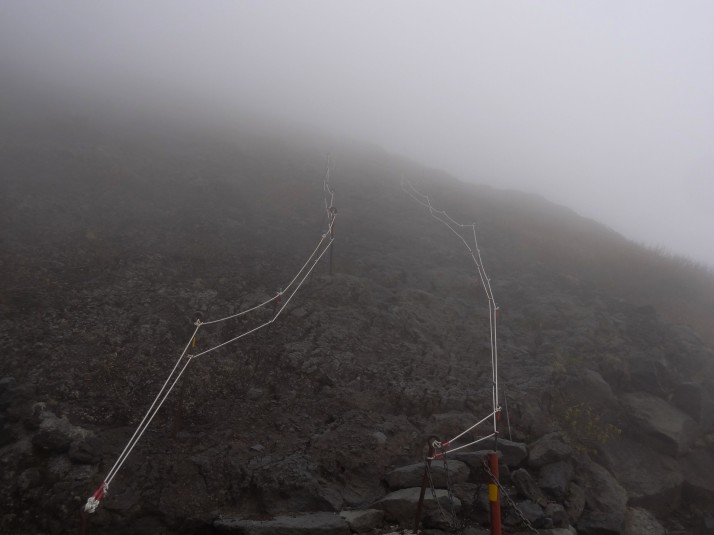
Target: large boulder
(58, 435)
(527, 486)
(695, 400)
(605, 499)
(575, 503)
(557, 514)
(290, 485)
(550, 448)
(668, 430)
(317, 523)
(698, 472)
(411, 475)
(475, 461)
(589, 387)
(601, 523)
(84, 449)
(555, 479)
(512, 453)
(531, 511)
(652, 480)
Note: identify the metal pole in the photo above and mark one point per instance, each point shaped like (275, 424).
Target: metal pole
(493, 497)
(333, 214)
(424, 481)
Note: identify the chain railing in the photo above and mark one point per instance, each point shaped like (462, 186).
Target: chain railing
(510, 501)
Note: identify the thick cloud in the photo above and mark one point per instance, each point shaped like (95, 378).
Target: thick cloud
(603, 106)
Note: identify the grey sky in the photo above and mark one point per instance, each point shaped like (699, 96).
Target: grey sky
(604, 106)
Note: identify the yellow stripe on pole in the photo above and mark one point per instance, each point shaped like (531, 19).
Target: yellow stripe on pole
(492, 492)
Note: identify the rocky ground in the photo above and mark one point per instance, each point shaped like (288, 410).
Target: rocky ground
(110, 243)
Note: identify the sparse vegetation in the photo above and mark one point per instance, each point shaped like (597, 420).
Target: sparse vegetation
(587, 428)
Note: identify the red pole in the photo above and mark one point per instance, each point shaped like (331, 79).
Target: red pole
(493, 498)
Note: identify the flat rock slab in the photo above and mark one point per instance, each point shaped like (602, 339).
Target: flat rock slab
(318, 523)
(411, 476)
(363, 521)
(401, 505)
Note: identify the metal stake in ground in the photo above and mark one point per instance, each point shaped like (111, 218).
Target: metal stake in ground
(424, 480)
(333, 214)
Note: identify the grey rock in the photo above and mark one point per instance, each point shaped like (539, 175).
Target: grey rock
(527, 486)
(85, 450)
(604, 496)
(590, 388)
(473, 498)
(531, 511)
(548, 449)
(401, 505)
(472, 530)
(363, 521)
(52, 440)
(7, 383)
(555, 479)
(512, 453)
(567, 530)
(695, 400)
(318, 523)
(557, 514)
(651, 480)
(475, 461)
(650, 375)
(640, 521)
(58, 467)
(668, 430)
(7, 387)
(254, 394)
(55, 434)
(575, 503)
(29, 478)
(698, 473)
(7, 433)
(411, 475)
(380, 438)
(290, 486)
(601, 523)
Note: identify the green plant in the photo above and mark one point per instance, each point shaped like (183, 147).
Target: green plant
(587, 428)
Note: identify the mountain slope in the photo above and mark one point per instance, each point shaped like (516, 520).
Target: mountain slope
(113, 237)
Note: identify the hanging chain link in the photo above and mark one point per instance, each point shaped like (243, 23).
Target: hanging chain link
(433, 491)
(456, 524)
(453, 521)
(504, 492)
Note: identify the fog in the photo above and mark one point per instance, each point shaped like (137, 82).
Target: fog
(605, 107)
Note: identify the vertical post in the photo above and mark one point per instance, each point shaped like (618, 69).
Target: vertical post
(493, 497)
(424, 481)
(333, 214)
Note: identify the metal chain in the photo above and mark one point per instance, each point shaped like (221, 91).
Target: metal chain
(433, 492)
(454, 520)
(456, 525)
(504, 492)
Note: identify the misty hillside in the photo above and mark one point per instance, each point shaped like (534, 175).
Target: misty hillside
(114, 236)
